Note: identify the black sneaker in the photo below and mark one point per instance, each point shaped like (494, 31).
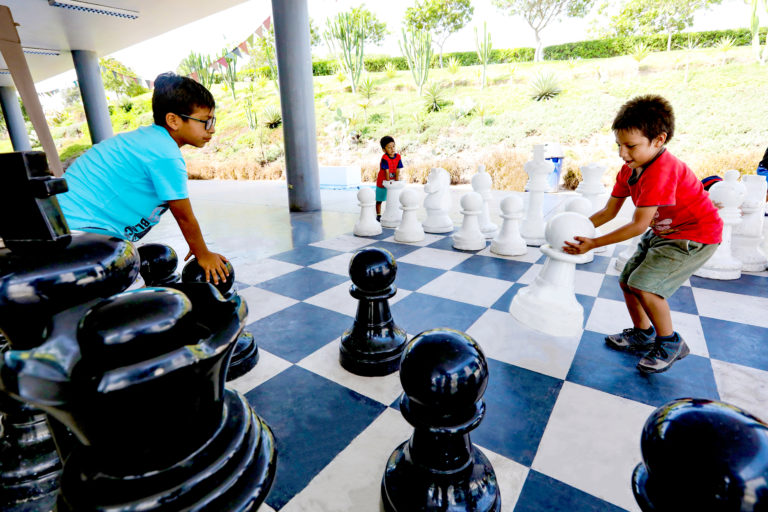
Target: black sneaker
(378, 218)
(663, 354)
(631, 340)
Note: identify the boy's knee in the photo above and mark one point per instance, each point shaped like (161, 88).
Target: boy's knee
(625, 287)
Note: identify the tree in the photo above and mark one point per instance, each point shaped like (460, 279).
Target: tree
(114, 82)
(653, 16)
(200, 65)
(439, 17)
(314, 36)
(538, 14)
(416, 47)
(754, 27)
(374, 29)
(345, 36)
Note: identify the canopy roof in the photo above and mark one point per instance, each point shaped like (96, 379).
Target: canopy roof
(48, 27)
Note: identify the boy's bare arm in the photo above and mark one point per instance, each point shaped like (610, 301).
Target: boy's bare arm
(640, 221)
(213, 264)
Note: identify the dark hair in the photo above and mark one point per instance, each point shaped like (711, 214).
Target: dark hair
(386, 140)
(179, 95)
(652, 115)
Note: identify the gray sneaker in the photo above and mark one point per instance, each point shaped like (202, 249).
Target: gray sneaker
(631, 340)
(663, 354)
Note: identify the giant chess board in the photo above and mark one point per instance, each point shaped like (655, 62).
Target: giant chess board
(564, 414)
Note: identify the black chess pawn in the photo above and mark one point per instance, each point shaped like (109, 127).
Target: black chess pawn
(246, 353)
(374, 343)
(444, 375)
(702, 455)
(140, 381)
(158, 264)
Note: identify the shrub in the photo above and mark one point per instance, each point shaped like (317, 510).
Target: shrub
(453, 65)
(390, 69)
(272, 117)
(640, 51)
(367, 87)
(545, 86)
(73, 151)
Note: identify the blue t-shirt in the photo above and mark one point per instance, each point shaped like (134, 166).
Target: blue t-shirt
(121, 185)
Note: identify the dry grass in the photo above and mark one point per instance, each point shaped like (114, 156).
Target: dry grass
(505, 166)
(235, 169)
(708, 164)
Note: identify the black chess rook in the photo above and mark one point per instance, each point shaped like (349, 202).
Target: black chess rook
(246, 352)
(444, 375)
(374, 343)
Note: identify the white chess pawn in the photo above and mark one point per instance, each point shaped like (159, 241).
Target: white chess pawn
(410, 229)
(482, 184)
(549, 304)
(538, 169)
(392, 212)
(727, 196)
(509, 242)
(748, 235)
(469, 237)
(437, 201)
(367, 224)
(583, 206)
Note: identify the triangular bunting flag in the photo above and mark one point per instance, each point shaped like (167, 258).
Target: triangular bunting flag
(243, 48)
(258, 32)
(222, 61)
(114, 75)
(267, 22)
(250, 40)
(194, 76)
(237, 52)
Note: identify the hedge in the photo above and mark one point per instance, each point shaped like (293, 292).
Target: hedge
(615, 46)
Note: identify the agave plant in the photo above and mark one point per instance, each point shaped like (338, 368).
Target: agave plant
(545, 86)
(725, 44)
(367, 87)
(434, 101)
(640, 51)
(390, 69)
(272, 117)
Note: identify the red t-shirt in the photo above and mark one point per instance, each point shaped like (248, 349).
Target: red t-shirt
(388, 168)
(685, 211)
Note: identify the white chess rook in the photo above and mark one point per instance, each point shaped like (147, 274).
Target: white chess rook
(549, 303)
(410, 229)
(367, 224)
(532, 228)
(509, 242)
(437, 201)
(582, 206)
(392, 212)
(727, 196)
(482, 184)
(748, 235)
(469, 237)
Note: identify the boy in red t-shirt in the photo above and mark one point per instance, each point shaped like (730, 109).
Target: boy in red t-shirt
(685, 230)
(389, 169)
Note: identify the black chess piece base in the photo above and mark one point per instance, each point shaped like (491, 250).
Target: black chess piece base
(29, 464)
(244, 356)
(232, 472)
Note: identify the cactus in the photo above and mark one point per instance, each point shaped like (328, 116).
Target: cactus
(345, 36)
(416, 47)
(483, 51)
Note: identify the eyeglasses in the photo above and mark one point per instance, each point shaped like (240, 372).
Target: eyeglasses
(209, 123)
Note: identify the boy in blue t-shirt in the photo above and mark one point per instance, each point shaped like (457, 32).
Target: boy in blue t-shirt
(122, 185)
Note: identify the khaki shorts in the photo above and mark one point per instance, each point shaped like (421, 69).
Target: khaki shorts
(661, 265)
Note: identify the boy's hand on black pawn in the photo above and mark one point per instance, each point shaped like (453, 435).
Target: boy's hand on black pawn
(214, 266)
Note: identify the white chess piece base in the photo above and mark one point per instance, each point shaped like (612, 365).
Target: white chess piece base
(549, 303)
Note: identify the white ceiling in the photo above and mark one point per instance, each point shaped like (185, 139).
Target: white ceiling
(43, 26)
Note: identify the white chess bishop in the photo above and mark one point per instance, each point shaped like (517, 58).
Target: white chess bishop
(482, 183)
(367, 224)
(582, 206)
(469, 236)
(538, 170)
(727, 196)
(392, 212)
(437, 202)
(748, 235)
(410, 229)
(509, 242)
(549, 303)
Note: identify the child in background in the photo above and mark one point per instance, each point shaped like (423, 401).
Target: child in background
(389, 169)
(685, 230)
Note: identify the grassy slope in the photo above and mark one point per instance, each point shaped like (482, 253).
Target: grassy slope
(720, 108)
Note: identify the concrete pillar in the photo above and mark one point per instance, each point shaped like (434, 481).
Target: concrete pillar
(92, 92)
(14, 119)
(294, 64)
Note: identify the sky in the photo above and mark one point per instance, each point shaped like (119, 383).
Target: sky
(230, 27)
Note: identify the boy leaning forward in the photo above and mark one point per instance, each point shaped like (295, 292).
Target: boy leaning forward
(685, 230)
